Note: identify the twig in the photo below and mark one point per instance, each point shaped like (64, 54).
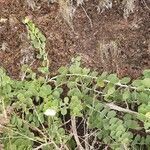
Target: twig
(33, 128)
(118, 108)
(146, 5)
(66, 147)
(42, 145)
(25, 136)
(115, 107)
(74, 130)
(94, 141)
(95, 78)
(87, 16)
(4, 110)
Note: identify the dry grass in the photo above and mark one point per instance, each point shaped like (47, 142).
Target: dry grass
(31, 4)
(149, 46)
(67, 10)
(80, 2)
(108, 52)
(104, 4)
(129, 7)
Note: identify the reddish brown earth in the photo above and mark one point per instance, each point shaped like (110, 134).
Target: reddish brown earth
(132, 37)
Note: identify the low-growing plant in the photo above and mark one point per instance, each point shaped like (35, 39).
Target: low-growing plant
(38, 41)
(77, 109)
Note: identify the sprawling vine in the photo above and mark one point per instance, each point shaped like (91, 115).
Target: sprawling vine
(77, 109)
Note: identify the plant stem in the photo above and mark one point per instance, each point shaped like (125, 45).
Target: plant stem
(74, 130)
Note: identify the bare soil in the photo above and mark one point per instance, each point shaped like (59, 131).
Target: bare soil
(110, 43)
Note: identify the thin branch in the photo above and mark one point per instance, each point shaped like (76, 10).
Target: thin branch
(73, 123)
(39, 140)
(118, 108)
(34, 128)
(42, 145)
(87, 16)
(115, 107)
(146, 5)
(95, 78)
(65, 146)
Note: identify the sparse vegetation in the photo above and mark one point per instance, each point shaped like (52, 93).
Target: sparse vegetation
(76, 108)
(108, 51)
(67, 8)
(38, 110)
(44, 111)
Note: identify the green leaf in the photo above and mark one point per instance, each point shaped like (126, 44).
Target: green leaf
(45, 90)
(33, 38)
(126, 94)
(63, 70)
(110, 91)
(71, 84)
(75, 68)
(5, 80)
(146, 73)
(111, 114)
(36, 31)
(142, 109)
(43, 70)
(113, 120)
(42, 37)
(147, 125)
(125, 80)
(36, 44)
(30, 117)
(43, 46)
(14, 120)
(98, 106)
(66, 100)
(113, 78)
(120, 128)
(147, 140)
(100, 82)
(26, 20)
(132, 124)
(136, 82)
(64, 111)
(41, 117)
(103, 76)
(146, 82)
(21, 97)
(75, 106)
(85, 71)
(143, 97)
(118, 134)
(127, 117)
(19, 122)
(56, 94)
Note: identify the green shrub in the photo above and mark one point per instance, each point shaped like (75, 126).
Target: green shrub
(78, 108)
(40, 106)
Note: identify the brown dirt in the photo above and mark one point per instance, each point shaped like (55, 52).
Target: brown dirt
(132, 37)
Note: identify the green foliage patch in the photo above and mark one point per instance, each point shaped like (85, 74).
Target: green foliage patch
(105, 102)
(78, 108)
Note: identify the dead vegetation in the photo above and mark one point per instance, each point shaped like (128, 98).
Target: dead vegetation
(129, 7)
(108, 52)
(67, 8)
(90, 27)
